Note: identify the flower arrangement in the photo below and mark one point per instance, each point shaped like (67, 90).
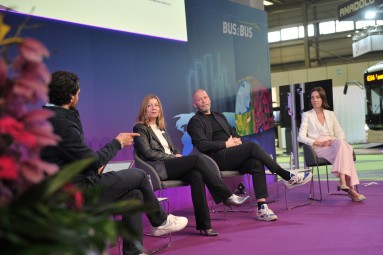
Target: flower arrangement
(40, 212)
(23, 132)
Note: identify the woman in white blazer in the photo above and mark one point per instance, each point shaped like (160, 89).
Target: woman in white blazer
(321, 130)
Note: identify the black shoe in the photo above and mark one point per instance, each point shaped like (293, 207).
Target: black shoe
(235, 200)
(208, 232)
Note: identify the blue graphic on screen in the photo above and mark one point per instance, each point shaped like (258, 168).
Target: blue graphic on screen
(210, 74)
(181, 125)
(242, 103)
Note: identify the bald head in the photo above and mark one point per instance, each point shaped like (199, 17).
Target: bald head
(201, 101)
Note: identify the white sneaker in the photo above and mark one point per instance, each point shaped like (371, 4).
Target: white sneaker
(173, 224)
(298, 178)
(266, 214)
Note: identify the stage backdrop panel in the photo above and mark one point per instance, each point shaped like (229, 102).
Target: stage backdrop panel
(227, 54)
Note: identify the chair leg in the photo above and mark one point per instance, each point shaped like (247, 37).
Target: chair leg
(295, 206)
(249, 188)
(165, 201)
(225, 210)
(215, 211)
(328, 184)
(312, 187)
(277, 188)
(304, 204)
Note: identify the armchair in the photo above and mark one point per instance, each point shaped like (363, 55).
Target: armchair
(224, 174)
(157, 183)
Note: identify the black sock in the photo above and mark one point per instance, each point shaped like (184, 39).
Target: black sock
(260, 204)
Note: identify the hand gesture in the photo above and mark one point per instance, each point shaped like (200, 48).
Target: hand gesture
(126, 139)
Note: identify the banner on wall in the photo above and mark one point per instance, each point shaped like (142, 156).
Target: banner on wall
(229, 58)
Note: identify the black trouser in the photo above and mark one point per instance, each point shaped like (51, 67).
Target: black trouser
(123, 185)
(250, 158)
(195, 171)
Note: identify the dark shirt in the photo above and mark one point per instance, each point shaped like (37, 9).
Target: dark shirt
(219, 133)
(67, 124)
(201, 132)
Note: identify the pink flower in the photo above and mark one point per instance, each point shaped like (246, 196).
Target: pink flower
(36, 124)
(31, 90)
(23, 132)
(32, 50)
(33, 169)
(8, 168)
(79, 199)
(31, 83)
(32, 70)
(76, 193)
(37, 115)
(14, 106)
(15, 129)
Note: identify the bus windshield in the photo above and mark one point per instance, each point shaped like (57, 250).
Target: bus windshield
(373, 82)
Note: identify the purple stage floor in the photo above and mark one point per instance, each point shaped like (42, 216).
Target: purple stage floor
(336, 225)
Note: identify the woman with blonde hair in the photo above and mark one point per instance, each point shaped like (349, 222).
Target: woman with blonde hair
(156, 148)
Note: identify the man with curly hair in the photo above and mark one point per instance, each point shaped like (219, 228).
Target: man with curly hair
(133, 183)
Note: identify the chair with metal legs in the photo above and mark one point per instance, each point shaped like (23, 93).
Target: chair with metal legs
(312, 160)
(158, 185)
(225, 174)
(298, 205)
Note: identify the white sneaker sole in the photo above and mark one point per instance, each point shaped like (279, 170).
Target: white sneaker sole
(266, 219)
(161, 232)
(306, 180)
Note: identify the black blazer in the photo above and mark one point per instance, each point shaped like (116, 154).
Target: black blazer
(150, 149)
(201, 132)
(67, 124)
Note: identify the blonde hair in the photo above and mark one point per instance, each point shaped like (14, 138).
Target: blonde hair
(143, 118)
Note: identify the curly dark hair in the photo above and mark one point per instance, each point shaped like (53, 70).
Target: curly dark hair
(63, 85)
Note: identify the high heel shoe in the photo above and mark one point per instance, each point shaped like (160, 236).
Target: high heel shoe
(208, 232)
(235, 200)
(358, 198)
(342, 187)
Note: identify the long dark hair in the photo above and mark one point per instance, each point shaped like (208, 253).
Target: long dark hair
(322, 95)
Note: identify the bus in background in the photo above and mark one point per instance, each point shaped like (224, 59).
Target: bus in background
(373, 83)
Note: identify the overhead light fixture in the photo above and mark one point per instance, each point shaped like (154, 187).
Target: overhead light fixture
(267, 3)
(370, 14)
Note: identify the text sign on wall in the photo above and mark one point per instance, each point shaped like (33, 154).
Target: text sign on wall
(355, 8)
